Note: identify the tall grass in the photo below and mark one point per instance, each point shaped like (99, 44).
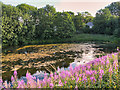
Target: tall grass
(77, 38)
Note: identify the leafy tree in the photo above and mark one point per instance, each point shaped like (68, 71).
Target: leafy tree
(87, 17)
(79, 22)
(10, 24)
(114, 8)
(101, 20)
(112, 24)
(63, 25)
(45, 27)
(16, 27)
(117, 32)
(27, 8)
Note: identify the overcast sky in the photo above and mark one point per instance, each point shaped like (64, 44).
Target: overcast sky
(75, 6)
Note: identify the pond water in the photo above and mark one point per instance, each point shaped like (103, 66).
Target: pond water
(45, 58)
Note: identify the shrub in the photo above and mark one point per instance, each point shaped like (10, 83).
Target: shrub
(117, 32)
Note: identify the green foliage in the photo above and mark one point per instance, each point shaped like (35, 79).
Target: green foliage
(112, 24)
(101, 19)
(107, 20)
(44, 29)
(117, 32)
(24, 23)
(80, 21)
(27, 8)
(114, 8)
(63, 25)
(16, 27)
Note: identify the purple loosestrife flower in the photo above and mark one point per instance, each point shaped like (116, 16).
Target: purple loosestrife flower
(15, 73)
(1, 83)
(84, 68)
(77, 79)
(88, 72)
(38, 83)
(55, 73)
(95, 72)
(102, 62)
(101, 72)
(118, 49)
(27, 74)
(73, 78)
(76, 87)
(21, 84)
(34, 78)
(51, 74)
(93, 79)
(115, 64)
(9, 85)
(88, 66)
(48, 80)
(107, 62)
(95, 63)
(51, 85)
(12, 78)
(84, 78)
(76, 74)
(45, 74)
(56, 77)
(60, 83)
(80, 75)
(65, 82)
(110, 69)
(100, 77)
(5, 84)
(71, 68)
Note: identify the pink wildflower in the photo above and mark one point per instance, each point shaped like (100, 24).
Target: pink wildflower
(51, 85)
(15, 73)
(93, 79)
(12, 78)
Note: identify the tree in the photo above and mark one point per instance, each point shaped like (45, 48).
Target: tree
(114, 8)
(87, 17)
(111, 25)
(10, 24)
(27, 8)
(63, 25)
(79, 22)
(101, 20)
(45, 27)
(17, 27)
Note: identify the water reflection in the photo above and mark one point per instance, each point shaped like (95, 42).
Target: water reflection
(39, 57)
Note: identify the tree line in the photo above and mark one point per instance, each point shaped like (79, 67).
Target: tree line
(23, 23)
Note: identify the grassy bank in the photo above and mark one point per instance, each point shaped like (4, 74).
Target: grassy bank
(78, 38)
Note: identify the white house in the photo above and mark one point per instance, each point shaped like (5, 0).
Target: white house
(90, 24)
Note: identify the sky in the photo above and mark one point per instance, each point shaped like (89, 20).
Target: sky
(92, 6)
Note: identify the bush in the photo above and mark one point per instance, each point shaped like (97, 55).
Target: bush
(117, 32)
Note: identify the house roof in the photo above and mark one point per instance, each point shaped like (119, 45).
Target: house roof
(89, 24)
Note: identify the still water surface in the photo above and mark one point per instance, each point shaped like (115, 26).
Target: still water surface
(39, 58)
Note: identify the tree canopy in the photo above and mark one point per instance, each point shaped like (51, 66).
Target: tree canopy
(25, 23)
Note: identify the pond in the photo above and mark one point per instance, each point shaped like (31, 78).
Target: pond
(46, 58)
